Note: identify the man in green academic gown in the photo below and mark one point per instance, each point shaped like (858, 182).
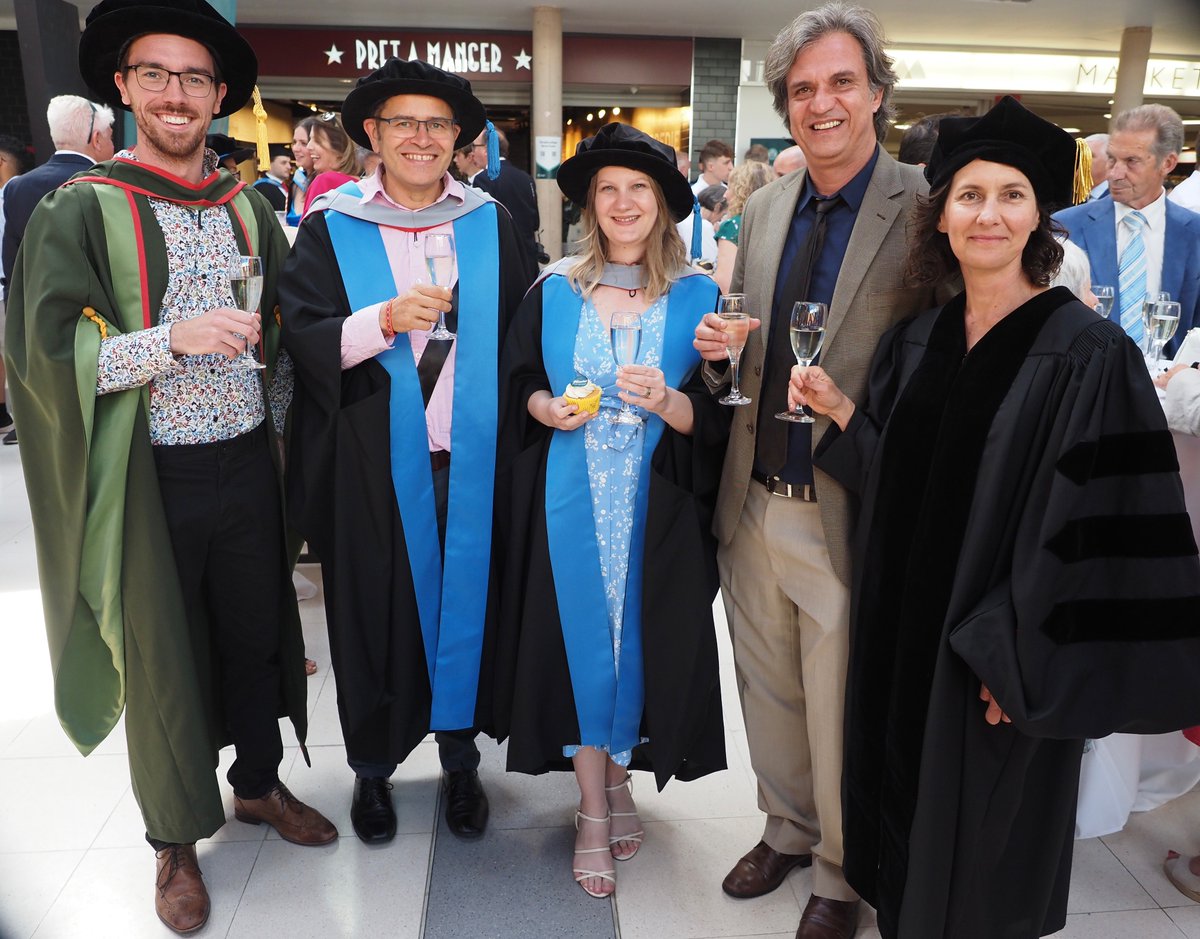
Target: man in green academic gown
(152, 460)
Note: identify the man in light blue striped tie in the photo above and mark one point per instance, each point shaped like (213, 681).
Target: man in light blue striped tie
(1138, 240)
(1131, 273)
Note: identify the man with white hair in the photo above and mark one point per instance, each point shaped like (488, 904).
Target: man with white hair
(82, 135)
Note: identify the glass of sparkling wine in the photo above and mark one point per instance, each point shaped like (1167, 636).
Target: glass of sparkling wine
(439, 258)
(625, 330)
(1148, 306)
(732, 309)
(1164, 320)
(246, 282)
(807, 332)
(1104, 299)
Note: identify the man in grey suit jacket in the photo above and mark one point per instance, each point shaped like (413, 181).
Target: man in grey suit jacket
(784, 528)
(1143, 149)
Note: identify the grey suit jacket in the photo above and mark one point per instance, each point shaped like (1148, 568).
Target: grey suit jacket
(869, 298)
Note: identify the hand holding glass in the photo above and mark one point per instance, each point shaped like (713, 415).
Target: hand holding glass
(807, 332)
(732, 310)
(439, 259)
(246, 282)
(1104, 299)
(625, 330)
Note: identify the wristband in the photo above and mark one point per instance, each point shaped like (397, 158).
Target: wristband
(388, 331)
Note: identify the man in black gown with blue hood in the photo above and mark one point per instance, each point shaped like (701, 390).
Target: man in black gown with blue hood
(393, 451)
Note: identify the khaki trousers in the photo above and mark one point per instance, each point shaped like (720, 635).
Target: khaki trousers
(789, 619)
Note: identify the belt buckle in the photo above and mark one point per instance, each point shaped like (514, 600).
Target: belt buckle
(777, 487)
(805, 492)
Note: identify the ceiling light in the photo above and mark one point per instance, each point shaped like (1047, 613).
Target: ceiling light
(569, 121)
(601, 113)
(1071, 130)
(903, 126)
(616, 111)
(590, 117)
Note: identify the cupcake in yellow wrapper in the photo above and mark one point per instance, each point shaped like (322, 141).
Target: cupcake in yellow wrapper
(584, 395)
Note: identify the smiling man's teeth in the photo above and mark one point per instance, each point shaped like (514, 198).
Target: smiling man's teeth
(420, 157)
(826, 125)
(175, 118)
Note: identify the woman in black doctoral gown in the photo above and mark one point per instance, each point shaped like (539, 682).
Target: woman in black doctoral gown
(606, 655)
(1025, 571)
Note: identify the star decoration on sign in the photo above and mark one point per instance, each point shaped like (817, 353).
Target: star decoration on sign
(523, 59)
(334, 54)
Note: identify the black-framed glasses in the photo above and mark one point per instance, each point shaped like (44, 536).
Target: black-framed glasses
(156, 78)
(438, 128)
(91, 123)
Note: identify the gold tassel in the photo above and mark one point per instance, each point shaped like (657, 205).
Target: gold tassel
(91, 314)
(260, 132)
(1083, 171)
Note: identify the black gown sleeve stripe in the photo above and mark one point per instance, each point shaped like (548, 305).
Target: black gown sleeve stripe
(1123, 536)
(1123, 454)
(1108, 619)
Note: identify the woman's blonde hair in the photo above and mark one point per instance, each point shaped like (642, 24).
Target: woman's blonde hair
(743, 181)
(336, 139)
(665, 253)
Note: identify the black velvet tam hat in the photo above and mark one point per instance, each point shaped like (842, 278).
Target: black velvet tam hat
(619, 144)
(1013, 135)
(402, 77)
(115, 22)
(225, 146)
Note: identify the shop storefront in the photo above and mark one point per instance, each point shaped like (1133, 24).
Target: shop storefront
(645, 82)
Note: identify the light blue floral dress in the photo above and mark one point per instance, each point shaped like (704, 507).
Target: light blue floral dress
(614, 461)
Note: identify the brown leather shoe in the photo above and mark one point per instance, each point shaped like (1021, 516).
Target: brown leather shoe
(180, 898)
(295, 821)
(828, 919)
(761, 871)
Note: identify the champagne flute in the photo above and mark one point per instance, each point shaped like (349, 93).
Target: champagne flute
(732, 309)
(625, 330)
(439, 259)
(807, 332)
(1164, 320)
(1148, 311)
(1104, 299)
(246, 282)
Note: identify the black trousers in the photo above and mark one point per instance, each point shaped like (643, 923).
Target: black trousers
(222, 507)
(456, 748)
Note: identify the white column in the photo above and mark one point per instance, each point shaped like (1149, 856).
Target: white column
(546, 116)
(1131, 70)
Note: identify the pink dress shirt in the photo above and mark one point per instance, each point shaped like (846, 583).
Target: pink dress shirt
(362, 337)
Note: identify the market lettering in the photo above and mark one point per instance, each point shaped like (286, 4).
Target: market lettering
(1090, 75)
(465, 56)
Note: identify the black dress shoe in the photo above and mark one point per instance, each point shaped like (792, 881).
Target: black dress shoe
(371, 813)
(466, 803)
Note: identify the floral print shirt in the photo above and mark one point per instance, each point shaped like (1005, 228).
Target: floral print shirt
(193, 398)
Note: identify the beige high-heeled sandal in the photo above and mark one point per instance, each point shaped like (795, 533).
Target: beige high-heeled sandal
(581, 875)
(634, 836)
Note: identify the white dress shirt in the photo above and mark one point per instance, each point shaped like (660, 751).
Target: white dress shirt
(1153, 233)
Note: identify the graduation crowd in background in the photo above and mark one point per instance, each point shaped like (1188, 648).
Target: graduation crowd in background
(932, 529)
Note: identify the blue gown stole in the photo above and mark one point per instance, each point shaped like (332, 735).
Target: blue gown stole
(451, 597)
(608, 701)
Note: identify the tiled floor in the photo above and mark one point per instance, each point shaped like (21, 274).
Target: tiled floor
(73, 862)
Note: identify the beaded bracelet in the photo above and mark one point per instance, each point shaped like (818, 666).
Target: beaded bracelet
(387, 319)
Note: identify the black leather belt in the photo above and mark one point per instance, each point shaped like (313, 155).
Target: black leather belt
(439, 459)
(805, 492)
